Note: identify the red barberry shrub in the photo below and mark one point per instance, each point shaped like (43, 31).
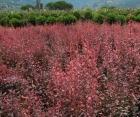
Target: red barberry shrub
(76, 70)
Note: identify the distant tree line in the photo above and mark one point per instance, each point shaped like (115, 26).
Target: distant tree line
(27, 7)
(58, 5)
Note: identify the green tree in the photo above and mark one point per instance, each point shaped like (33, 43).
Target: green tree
(59, 5)
(4, 21)
(32, 19)
(69, 19)
(88, 15)
(111, 18)
(51, 20)
(50, 5)
(27, 7)
(122, 19)
(40, 20)
(77, 14)
(15, 15)
(15, 22)
(98, 18)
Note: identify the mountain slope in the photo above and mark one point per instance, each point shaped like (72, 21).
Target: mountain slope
(14, 4)
(99, 3)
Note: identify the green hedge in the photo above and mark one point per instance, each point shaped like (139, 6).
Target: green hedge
(69, 19)
(23, 22)
(111, 18)
(88, 15)
(60, 19)
(77, 14)
(51, 20)
(40, 20)
(109, 15)
(122, 19)
(32, 19)
(4, 21)
(138, 18)
(54, 14)
(15, 22)
(15, 15)
(98, 18)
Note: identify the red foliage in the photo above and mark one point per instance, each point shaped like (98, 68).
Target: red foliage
(76, 70)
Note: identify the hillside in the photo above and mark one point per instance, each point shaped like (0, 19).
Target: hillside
(99, 3)
(15, 4)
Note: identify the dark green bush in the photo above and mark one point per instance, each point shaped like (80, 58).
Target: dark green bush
(77, 14)
(45, 14)
(138, 18)
(88, 15)
(69, 19)
(40, 20)
(54, 14)
(32, 19)
(136, 12)
(66, 19)
(111, 18)
(15, 22)
(4, 21)
(31, 13)
(2, 15)
(51, 20)
(98, 18)
(60, 19)
(123, 12)
(23, 22)
(15, 15)
(131, 17)
(65, 13)
(122, 19)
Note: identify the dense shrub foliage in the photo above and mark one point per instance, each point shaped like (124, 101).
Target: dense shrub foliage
(32, 19)
(40, 20)
(111, 18)
(88, 15)
(69, 19)
(77, 14)
(60, 19)
(108, 15)
(14, 15)
(51, 20)
(138, 18)
(15, 22)
(81, 70)
(4, 21)
(122, 19)
(98, 18)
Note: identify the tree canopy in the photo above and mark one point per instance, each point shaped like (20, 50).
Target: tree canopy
(26, 7)
(59, 5)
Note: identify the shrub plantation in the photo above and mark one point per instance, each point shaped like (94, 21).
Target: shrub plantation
(78, 70)
(108, 15)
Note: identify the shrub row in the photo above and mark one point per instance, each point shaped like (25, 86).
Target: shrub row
(110, 16)
(17, 20)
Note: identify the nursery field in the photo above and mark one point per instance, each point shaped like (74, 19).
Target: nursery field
(78, 70)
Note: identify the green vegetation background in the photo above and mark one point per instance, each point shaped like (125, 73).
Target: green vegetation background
(109, 15)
